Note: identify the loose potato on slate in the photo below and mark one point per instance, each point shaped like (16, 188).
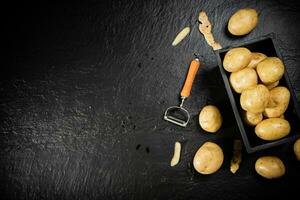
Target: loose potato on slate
(209, 158)
(243, 21)
(270, 167)
(210, 119)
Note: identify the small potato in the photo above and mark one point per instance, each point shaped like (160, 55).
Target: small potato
(253, 119)
(209, 158)
(272, 85)
(272, 129)
(255, 99)
(279, 102)
(297, 149)
(282, 116)
(255, 59)
(243, 79)
(270, 70)
(210, 119)
(243, 21)
(236, 59)
(270, 167)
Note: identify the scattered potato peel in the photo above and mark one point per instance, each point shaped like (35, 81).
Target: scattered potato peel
(237, 156)
(181, 35)
(176, 156)
(205, 28)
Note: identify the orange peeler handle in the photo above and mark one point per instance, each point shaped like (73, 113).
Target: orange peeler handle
(186, 90)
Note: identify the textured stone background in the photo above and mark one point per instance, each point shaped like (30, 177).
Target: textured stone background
(84, 87)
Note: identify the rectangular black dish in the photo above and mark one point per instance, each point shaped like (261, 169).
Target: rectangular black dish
(267, 45)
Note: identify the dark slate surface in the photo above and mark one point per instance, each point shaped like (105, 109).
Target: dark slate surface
(84, 87)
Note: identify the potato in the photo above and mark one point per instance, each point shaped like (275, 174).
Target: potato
(272, 85)
(270, 70)
(269, 167)
(243, 79)
(272, 129)
(282, 116)
(255, 59)
(255, 99)
(243, 21)
(297, 149)
(252, 119)
(209, 158)
(210, 119)
(236, 59)
(279, 101)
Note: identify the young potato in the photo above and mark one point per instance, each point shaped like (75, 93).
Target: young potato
(252, 119)
(255, 99)
(270, 70)
(243, 79)
(269, 167)
(236, 59)
(209, 158)
(272, 85)
(282, 116)
(297, 149)
(272, 129)
(210, 119)
(279, 102)
(271, 103)
(255, 59)
(243, 21)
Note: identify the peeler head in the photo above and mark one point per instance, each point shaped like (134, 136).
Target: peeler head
(177, 115)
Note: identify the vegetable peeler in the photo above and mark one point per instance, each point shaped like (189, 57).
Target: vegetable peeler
(177, 114)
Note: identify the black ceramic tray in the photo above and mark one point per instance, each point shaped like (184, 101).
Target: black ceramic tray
(266, 45)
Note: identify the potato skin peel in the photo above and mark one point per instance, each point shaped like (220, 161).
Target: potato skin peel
(176, 156)
(237, 156)
(181, 35)
(205, 28)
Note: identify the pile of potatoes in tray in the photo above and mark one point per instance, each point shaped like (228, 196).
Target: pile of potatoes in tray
(256, 77)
